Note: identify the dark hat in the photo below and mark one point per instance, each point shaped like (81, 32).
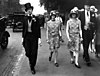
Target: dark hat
(28, 6)
(73, 12)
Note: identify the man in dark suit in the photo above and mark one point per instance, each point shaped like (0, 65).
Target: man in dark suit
(31, 35)
(88, 21)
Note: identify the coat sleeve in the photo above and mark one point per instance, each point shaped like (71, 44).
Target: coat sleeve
(39, 30)
(23, 29)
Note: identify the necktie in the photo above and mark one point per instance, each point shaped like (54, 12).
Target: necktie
(87, 13)
(29, 18)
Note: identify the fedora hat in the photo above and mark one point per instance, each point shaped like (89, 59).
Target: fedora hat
(28, 6)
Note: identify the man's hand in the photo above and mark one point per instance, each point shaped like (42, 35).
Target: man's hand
(86, 27)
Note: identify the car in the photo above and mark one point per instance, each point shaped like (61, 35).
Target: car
(4, 35)
(17, 23)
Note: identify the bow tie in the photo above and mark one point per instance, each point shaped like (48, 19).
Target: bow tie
(29, 18)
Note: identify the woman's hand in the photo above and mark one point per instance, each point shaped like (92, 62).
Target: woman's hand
(69, 40)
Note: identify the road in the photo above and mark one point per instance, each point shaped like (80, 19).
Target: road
(13, 62)
(9, 57)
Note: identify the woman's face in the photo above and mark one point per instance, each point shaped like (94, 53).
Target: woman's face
(53, 17)
(73, 15)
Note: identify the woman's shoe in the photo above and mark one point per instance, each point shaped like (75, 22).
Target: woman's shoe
(72, 61)
(78, 66)
(33, 71)
(56, 64)
(96, 55)
(50, 58)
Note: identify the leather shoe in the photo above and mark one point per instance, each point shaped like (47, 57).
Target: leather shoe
(78, 66)
(50, 58)
(33, 71)
(88, 63)
(97, 56)
(56, 64)
(72, 61)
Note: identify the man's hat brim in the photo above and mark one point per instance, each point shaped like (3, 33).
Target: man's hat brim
(29, 8)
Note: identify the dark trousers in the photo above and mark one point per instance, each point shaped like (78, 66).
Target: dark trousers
(31, 49)
(87, 38)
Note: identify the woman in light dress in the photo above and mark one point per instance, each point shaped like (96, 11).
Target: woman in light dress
(74, 35)
(53, 28)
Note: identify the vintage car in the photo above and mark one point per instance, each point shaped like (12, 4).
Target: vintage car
(4, 35)
(18, 17)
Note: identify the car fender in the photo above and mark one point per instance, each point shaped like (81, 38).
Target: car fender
(6, 33)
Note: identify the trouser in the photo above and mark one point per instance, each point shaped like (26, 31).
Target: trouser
(87, 38)
(31, 49)
(97, 47)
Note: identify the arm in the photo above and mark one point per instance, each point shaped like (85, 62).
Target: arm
(39, 30)
(47, 32)
(80, 28)
(23, 30)
(67, 28)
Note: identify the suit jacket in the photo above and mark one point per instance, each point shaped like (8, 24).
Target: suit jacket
(92, 19)
(35, 27)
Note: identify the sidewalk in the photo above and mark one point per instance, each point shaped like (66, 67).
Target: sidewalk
(46, 68)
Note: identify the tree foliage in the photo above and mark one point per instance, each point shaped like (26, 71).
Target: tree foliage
(65, 5)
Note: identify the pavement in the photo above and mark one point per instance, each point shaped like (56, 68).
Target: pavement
(10, 56)
(46, 68)
(13, 61)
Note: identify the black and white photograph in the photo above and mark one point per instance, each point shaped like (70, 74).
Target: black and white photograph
(49, 37)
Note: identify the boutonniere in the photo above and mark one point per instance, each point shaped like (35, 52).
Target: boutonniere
(34, 19)
(93, 15)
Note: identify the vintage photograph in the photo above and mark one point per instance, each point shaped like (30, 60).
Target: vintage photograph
(49, 37)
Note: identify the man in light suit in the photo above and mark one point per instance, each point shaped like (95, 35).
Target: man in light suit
(88, 22)
(31, 34)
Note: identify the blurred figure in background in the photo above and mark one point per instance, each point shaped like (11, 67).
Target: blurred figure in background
(97, 39)
(58, 18)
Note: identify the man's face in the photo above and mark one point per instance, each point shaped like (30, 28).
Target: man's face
(87, 7)
(29, 11)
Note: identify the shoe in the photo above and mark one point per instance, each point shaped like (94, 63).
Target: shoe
(72, 61)
(88, 63)
(33, 71)
(62, 40)
(56, 64)
(50, 58)
(97, 56)
(78, 66)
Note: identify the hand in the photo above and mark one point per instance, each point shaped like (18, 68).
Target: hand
(47, 40)
(85, 27)
(39, 42)
(69, 40)
(22, 39)
(81, 39)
